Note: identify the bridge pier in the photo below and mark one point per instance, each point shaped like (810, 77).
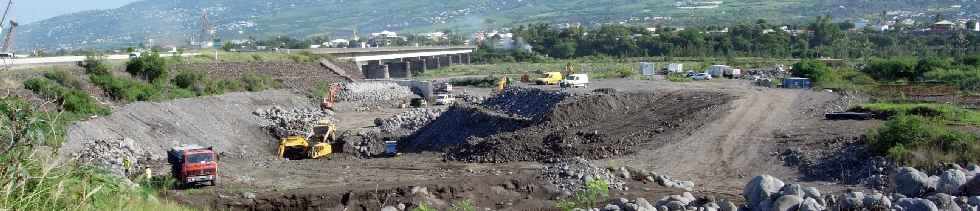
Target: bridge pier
(418, 65)
(465, 58)
(445, 61)
(376, 70)
(432, 62)
(400, 69)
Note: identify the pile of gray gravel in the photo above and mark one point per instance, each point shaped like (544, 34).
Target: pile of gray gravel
(409, 121)
(293, 122)
(570, 175)
(374, 94)
(112, 154)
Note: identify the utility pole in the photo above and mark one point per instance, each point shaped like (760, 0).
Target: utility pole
(208, 33)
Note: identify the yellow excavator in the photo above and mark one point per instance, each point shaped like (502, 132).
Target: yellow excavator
(320, 143)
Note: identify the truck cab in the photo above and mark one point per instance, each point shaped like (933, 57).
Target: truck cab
(549, 78)
(192, 165)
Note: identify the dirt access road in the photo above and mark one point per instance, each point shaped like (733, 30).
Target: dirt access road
(724, 155)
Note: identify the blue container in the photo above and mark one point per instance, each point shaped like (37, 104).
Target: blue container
(391, 147)
(797, 83)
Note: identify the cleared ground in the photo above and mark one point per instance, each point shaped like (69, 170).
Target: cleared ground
(719, 150)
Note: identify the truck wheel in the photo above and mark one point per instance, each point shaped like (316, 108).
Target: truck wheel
(214, 182)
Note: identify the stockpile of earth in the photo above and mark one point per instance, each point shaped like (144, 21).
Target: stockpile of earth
(597, 126)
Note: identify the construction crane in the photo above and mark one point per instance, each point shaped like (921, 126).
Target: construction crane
(5, 51)
(8, 38)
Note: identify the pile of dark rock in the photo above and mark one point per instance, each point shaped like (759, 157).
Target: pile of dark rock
(295, 122)
(571, 175)
(364, 143)
(525, 102)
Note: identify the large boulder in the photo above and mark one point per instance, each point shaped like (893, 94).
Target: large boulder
(810, 204)
(853, 201)
(792, 189)
(910, 182)
(972, 187)
(916, 204)
(951, 181)
(728, 206)
(787, 203)
(761, 188)
(877, 201)
(944, 202)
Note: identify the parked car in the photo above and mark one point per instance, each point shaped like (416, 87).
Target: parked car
(575, 80)
(444, 99)
(701, 77)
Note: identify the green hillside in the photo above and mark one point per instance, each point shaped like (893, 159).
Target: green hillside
(179, 21)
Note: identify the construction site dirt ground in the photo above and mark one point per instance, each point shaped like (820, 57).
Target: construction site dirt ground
(742, 140)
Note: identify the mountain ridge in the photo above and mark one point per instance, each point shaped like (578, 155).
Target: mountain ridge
(175, 22)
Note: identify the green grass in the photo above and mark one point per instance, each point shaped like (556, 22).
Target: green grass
(595, 191)
(946, 112)
(923, 142)
(678, 77)
(34, 180)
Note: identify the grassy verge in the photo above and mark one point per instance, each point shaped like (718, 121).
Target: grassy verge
(33, 180)
(923, 142)
(945, 112)
(678, 77)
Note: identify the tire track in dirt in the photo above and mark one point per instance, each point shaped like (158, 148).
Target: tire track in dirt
(726, 153)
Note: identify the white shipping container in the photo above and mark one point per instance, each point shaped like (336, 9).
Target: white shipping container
(648, 69)
(675, 68)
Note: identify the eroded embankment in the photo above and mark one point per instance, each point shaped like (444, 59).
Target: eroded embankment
(225, 122)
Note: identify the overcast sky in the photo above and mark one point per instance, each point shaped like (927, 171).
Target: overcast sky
(26, 11)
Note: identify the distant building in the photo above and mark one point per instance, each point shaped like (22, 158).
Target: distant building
(942, 27)
(338, 43)
(384, 38)
(437, 36)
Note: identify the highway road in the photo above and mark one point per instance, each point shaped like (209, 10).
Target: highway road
(67, 59)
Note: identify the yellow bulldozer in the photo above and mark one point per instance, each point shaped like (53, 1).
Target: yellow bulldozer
(319, 143)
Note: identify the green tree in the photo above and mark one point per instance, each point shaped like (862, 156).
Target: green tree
(148, 67)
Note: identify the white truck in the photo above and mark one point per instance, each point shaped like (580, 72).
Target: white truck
(575, 80)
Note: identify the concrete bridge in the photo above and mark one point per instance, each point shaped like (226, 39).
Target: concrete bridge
(385, 63)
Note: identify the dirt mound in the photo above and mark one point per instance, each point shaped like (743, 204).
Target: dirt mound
(525, 102)
(458, 123)
(225, 122)
(598, 126)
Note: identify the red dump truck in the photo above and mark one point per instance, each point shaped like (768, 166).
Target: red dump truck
(192, 164)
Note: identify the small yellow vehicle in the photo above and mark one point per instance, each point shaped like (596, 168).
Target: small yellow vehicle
(549, 78)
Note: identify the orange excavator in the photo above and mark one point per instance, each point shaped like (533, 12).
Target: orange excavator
(331, 97)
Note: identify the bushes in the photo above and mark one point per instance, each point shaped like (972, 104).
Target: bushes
(920, 141)
(945, 112)
(149, 67)
(95, 65)
(595, 191)
(71, 100)
(678, 77)
(255, 82)
(488, 81)
(64, 78)
(191, 80)
(126, 89)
